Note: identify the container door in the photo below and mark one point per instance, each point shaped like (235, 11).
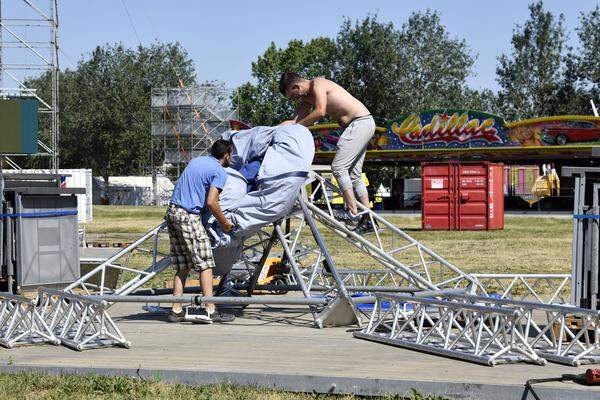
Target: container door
(472, 197)
(495, 197)
(437, 194)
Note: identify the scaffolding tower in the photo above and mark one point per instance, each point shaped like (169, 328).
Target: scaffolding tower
(29, 48)
(187, 121)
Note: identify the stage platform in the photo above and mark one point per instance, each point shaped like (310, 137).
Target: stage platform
(279, 348)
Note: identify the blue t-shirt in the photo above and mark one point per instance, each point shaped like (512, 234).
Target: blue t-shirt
(192, 186)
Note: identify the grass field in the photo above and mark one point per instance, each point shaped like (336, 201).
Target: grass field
(42, 387)
(526, 245)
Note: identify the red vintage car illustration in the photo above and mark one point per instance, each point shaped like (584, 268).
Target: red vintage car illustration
(571, 131)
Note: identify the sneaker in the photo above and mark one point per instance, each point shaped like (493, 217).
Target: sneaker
(220, 317)
(203, 316)
(176, 317)
(345, 216)
(365, 226)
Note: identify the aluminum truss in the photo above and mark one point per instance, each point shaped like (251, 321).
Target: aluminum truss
(21, 324)
(472, 332)
(31, 44)
(485, 329)
(106, 277)
(562, 334)
(543, 288)
(79, 322)
(411, 261)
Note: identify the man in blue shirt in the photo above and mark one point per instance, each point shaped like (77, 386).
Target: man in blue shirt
(195, 197)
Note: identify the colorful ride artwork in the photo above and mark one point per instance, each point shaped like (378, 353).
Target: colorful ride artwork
(454, 128)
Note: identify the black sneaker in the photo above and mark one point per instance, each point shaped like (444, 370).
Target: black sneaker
(220, 317)
(365, 226)
(345, 216)
(176, 317)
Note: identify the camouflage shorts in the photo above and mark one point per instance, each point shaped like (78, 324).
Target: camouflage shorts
(190, 245)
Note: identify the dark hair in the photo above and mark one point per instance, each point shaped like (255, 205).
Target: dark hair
(287, 80)
(220, 148)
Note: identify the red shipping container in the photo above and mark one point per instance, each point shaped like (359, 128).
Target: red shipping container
(462, 196)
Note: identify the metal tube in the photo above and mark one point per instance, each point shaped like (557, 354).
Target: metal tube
(194, 299)
(116, 256)
(289, 288)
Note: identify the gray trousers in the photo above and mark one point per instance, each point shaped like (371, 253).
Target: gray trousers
(350, 155)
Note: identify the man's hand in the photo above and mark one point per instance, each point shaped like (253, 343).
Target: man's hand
(227, 226)
(288, 122)
(212, 202)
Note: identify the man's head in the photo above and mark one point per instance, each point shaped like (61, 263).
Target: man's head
(293, 85)
(221, 150)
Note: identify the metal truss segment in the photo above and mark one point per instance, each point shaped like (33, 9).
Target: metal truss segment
(106, 278)
(21, 324)
(468, 331)
(79, 322)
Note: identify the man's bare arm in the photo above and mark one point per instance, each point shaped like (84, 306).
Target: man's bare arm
(302, 111)
(319, 93)
(212, 202)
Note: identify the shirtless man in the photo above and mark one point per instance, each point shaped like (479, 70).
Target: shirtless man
(320, 97)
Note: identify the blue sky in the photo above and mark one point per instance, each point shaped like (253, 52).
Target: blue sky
(224, 37)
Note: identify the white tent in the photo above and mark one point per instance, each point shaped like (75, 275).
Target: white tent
(132, 190)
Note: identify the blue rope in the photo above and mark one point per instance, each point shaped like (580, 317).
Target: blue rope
(586, 216)
(38, 214)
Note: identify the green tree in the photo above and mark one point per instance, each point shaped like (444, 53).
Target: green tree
(369, 64)
(105, 105)
(433, 67)
(589, 59)
(529, 76)
(392, 71)
(261, 103)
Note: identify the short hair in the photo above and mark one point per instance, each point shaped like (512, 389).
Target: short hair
(220, 148)
(287, 80)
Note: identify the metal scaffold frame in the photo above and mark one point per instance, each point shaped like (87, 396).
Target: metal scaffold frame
(187, 120)
(20, 54)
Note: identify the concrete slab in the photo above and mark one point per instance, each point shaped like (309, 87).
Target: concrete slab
(278, 347)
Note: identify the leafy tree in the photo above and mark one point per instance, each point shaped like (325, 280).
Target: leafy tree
(261, 103)
(392, 71)
(105, 105)
(433, 67)
(369, 64)
(589, 60)
(529, 76)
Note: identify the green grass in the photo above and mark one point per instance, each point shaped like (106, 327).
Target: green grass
(29, 385)
(526, 245)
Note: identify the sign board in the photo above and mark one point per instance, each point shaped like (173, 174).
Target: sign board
(467, 129)
(18, 126)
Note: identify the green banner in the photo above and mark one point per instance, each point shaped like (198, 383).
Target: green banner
(18, 126)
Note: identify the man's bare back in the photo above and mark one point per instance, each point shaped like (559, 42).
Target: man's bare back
(341, 105)
(320, 97)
